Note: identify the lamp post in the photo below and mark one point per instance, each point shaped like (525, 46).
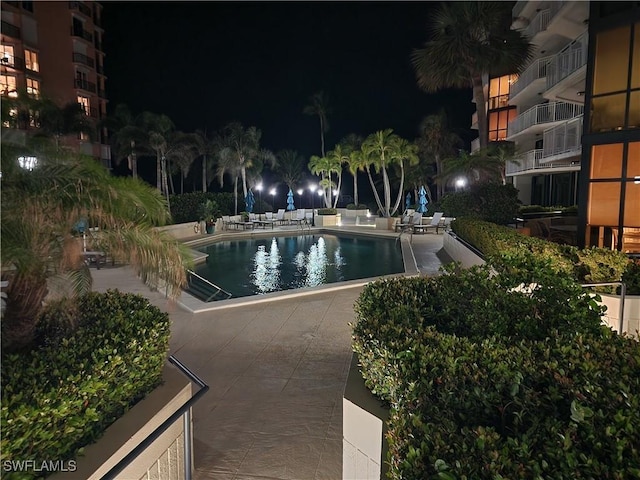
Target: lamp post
(312, 189)
(272, 192)
(259, 189)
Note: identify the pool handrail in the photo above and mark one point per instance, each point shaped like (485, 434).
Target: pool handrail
(211, 284)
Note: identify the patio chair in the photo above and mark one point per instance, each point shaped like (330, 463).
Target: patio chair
(405, 222)
(280, 216)
(300, 217)
(434, 223)
(414, 220)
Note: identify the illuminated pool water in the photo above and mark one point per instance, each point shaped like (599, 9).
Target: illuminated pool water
(257, 266)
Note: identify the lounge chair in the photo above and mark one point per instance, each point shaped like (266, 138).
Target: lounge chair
(280, 217)
(300, 218)
(434, 223)
(405, 222)
(414, 220)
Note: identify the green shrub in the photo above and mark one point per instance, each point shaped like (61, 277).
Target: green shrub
(327, 211)
(488, 382)
(459, 204)
(62, 396)
(631, 277)
(186, 207)
(353, 206)
(490, 202)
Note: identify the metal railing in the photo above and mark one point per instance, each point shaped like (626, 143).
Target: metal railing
(84, 59)
(544, 113)
(564, 138)
(81, 7)
(9, 29)
(538, 24)
(85, 85)
(623, 293)
(184, 411)
(527, 161)
(568, 60)
(213, 286)
(82, 33)
(535, 71)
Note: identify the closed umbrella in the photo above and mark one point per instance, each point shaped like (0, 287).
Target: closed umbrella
(407, 201)
(249, 201)
(290, 205)
(422, 200)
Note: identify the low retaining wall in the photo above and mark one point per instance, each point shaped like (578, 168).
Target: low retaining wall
(164, 458)
(180, 231)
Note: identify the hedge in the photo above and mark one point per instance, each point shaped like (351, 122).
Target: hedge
(490, 202)
(499, 243)
(187, 207)
(488, 376)
(88, 371)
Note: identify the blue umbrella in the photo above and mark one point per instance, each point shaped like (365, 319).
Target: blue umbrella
(407, 201)
(249, 201)
(422, 200)
(290, 205)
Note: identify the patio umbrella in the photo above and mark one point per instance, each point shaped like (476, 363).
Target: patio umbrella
(290, 205)
(422, 200)
(249, 201)
(407, 201)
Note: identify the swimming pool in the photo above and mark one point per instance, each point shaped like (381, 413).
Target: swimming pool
(263, 265)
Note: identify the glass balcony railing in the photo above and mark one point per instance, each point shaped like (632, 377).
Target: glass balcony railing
(567, 61)
(532, 160)
(537, 69)
(564, 139)
(544, 113)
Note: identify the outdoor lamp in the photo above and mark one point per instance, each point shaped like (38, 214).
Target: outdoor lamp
(460, 183)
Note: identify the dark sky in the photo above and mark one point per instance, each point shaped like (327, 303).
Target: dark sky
(208, 63)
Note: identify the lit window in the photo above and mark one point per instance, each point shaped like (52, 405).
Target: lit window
(6, 55)
(31, 60)
(33, 87)
(84, 101)
(8, 85)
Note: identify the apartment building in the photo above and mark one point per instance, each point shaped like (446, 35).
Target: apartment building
(54, 50)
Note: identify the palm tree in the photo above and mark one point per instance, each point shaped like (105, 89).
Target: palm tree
(319, 105)
(241, 148)
(39, 210)
(290, 166)
(128, 138)
(502, 153)
(185, 148)
(323, 166)
(476, 167)
(355, 163)
(467, 41)
(338, 156)
(206, 148)
(436, 142)
(381, 150)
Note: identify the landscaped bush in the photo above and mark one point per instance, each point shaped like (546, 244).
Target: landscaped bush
(497, 243)
(327, 211)
(88, 371)
(491, 202)
(353, 206)
(485, 381)
(186, 206)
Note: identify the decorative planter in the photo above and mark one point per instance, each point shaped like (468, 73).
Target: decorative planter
(210, 227)
(386, 223)
(356, 213)
(326, 220)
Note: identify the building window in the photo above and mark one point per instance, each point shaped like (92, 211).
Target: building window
(6, 56)
(86, 106)
(499, 91)
(615, 103)
(8, 85)
(31, 60)
(498, 123)
(33, 87)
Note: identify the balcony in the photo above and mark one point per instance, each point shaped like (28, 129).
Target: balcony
(82, 33)
(81, 7)
(10, 30)
(538, 24)
(85, 85)
(536, 71)
(542, 115)
(565, 64)
(531, 162)
(99, 69)
(563, 141)
(83, 59)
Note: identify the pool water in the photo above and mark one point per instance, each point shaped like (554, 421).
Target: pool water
(258, 266)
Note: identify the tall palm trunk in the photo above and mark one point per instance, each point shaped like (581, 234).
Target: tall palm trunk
(26, 293)
(375, 191)
(235, 194)
(322, 136)
(439, 185)
(204, 173)
(400, 191)
(243, 171)
(481, 108)
(158, 172)
(355, 188)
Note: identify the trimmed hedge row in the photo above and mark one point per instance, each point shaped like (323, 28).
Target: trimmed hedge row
(95, 361)
(489, 379)
(498, 244)
(187, 207)
(488, 201)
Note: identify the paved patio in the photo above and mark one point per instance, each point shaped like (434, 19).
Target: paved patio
(277, 371)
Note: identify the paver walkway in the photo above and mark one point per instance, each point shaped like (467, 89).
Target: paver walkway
(276, 372)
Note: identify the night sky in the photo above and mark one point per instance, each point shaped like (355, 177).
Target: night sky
(209, 63)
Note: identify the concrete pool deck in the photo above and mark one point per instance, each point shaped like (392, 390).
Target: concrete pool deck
(276, 371)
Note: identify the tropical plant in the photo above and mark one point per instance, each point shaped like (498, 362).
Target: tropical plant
(355, 163)
(127, 138)
(239, 153)
(206, 148)
(159, 128)
(477, 167)
(436, 142)
(501, 153)
(381, 150)
(468, 40)
(290, 165)
(40, 210)
(319, 105)
(326, 167)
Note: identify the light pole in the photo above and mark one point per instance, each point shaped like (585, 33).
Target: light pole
(259, 189)
(312, 189)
